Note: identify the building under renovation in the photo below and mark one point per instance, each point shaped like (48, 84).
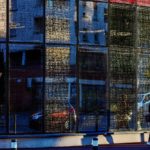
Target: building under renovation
(74, 66)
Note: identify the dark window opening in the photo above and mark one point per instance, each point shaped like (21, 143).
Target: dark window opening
(96, 38)
(12, 32)
(95, 12)
(15, 59)
(39, 2)
(38, 25)
(84, 15)
(85, 37)
(94, 100)
(92, 62)
(84, 5)
(105, 15)
(13, 6)
(33, 58)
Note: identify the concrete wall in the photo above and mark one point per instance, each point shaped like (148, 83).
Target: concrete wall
(63, 140)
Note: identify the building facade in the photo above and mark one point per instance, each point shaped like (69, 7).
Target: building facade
(74, 66)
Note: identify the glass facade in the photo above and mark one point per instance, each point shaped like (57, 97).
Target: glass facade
(3, 103)
(3, 20)
(74, 66)
(25, 68)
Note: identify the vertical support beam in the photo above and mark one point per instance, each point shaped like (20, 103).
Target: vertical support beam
(80, 93)
(135, 29)
(77, 62)
(44, 62)
(108, 71)
(7, 69)
(69, 91)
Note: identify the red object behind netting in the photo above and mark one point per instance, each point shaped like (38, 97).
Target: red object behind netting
(123, 1)
(143, 2)
(138, 2)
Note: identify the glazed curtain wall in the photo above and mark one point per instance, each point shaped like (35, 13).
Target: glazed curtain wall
(74, 66)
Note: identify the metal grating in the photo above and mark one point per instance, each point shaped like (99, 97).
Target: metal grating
(57, 105)
(58, 21)
(122, 19)
(122, 87)
(88, 59)
(2, 20)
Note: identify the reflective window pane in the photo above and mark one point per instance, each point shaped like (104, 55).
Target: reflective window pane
(3, 103)
(60, 21)
(92, 88)
(93, 24)
(121, 25)
(144, 28)
(143, 101)
(26, 21)
(122, 88)
(74, 66)
(60, 89)
(26, 73)
(2, 20)
(92, 56)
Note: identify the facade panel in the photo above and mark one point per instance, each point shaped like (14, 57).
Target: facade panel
(122, 87)
(25, 69)
(60, 21)
(74, 66)
(143, 21)
(3, 105)
(60, 106)
(26, 21)
(122, 25)
(2, 20)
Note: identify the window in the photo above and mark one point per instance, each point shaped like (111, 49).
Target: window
(38, 25)
(85, 30)
(84, 15)
(96, 38)
(49, 3)
(13, 32)
(39, 2)
(84, 5)
(93, 98)
(85, 38)
(15, 59)
(13, 5)
(105, 15)
(95, 15)
(33, 58)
